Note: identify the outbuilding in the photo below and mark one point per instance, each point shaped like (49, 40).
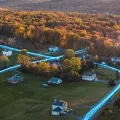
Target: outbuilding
(15, 79)
(53, 49)
(89, 76)
(7, 52)
(54, 80)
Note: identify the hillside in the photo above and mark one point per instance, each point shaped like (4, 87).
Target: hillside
(101, 33)
(89, 6)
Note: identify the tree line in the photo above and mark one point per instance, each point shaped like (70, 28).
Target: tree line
(101, 33)
(70, 67)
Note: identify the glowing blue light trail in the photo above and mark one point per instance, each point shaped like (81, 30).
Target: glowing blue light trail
(10, 68)
(18, 50)
(47, 58)
(102, 102)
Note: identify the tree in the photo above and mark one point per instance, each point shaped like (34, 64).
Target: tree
(71, 69)
(111, 82)
(4, 60)
(11, 41)
(23, 60)
(73, 64)
(66, 66)
(69, 54)
(54, 69)
(23, 52)
(43, 67)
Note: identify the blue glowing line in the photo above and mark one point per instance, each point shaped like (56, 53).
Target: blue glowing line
(83, 50)
(90, 114)
(52, 58)
(10, 68)
(101, 103)
(80, 52)
(35, 54)
(112, 68)
(10, 48)
(18, 50)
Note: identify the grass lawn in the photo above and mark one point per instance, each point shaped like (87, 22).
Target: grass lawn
(13, 58)
(29, 101)
(105, 74)
(114, 116)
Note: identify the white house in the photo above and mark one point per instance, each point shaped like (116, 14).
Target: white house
(53, 49)
(7, 52)
(59, 107)
(89, 76)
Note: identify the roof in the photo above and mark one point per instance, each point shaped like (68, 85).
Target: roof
(58, 103)
(55, 79)
(89, 76)
(57, 109)
(17, 78)
(88, 73)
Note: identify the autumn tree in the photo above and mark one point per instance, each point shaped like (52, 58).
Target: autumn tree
(23, 52)
(69, 54)
(43, 68)
(71, 68)
(11, 41)
(23, 60)
(72, 64)
(4, 61)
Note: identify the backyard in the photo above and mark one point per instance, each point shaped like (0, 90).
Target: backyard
(28, 100)
(105, 74)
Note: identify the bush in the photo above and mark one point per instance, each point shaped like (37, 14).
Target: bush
(111, 82)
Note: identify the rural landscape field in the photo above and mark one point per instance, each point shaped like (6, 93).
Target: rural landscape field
(59, 59)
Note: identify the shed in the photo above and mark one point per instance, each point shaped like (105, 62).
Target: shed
(54, 80)
(15, 79)
(7, 52)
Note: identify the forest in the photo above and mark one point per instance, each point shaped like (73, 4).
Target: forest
(69, 30)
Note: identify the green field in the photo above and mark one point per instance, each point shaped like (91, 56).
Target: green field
(13, 59)
(105, 74)
(114, 116)
(29, 101)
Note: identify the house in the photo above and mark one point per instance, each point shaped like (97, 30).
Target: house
(89, 76)
(53, 49)
(59, 107)
(15, 79)
(7, 52)
(115, 59)
(54, 80)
